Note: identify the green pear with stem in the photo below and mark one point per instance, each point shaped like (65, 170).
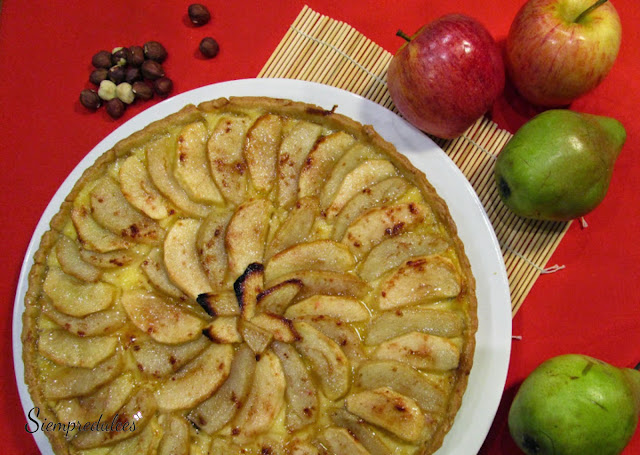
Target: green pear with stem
(558, 165)
(574, 404)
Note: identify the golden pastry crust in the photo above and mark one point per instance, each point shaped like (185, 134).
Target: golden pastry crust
(462, 301)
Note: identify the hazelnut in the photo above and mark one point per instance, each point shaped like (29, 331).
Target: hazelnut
(198, 14)
(120, 56)
(102, 59)
(151, 70)
(132, 74)
(90, 99)
(115, 108)
(124, 92)
(98, 75)
(107, 90)
(163, 86)
(155, 51)
(142, 90)
(137, 56)
(116, 74)
(209, 47)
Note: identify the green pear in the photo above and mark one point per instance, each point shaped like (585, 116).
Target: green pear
(576, 405)
(558, 165)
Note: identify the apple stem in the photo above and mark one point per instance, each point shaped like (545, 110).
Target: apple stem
(588, 10)
(403, 35)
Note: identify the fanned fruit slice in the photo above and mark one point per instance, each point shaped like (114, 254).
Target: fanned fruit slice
(251, 276)
(164, 321)
(112, 211)
(182, 260)
(196, 381)
(191, 166)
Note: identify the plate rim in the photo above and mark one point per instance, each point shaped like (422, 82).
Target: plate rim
(494, 328)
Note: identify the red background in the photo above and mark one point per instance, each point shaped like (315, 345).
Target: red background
(591, 307)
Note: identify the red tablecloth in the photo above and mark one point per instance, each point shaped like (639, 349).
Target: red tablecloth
(591, 306)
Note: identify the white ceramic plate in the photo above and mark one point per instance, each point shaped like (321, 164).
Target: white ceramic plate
(493, 340)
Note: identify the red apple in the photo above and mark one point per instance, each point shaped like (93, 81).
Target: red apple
(558, 50)
(446, 76)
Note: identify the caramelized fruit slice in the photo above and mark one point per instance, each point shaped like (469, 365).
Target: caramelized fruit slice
(104, 401)
(342, 333)
(281, 328)
(139, 190)
(112, 211)
(317, 167)
(196, 381)
(390, 410)
(363, 432)
(261, 151)
(295, 147)
(381, 223)
(340, 442)
(420, 279)
(154, 268)
(226, 161)
(247, 288)
(379, 194)
(138, 411)
(295, 228)
(316, 255)
(164, 321)
(181, 258)
(329, 363)
(368, 173)
(277, 298)
(301, 394)
(192, 167)
(345, 309)
(66, 349)
(93, 236)
(160, 360)
(246, 235)
(420, 351)
(159, 155)
(223, 330)
(323, 282)
(99, 323)
(71, 263)
(223, 303)
(394, 251)
(74, 297)
(109, 259)
(215, 412)
(348, 162)
(416, 319)
(175, 435)
(211, 248)
(264, 401)
(69, 382)
(403, 379)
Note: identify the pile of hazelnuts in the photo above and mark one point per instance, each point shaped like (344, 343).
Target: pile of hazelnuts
(134, 73)
(124, 75)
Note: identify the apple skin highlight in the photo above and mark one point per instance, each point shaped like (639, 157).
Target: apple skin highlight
(551, 59)
(447, 76)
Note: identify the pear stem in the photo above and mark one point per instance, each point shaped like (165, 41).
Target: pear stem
(588, 10)
(403, 35)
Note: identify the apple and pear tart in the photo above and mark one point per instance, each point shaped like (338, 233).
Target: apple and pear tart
(250, 276)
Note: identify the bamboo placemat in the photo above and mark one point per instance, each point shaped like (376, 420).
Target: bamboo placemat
(320, 49)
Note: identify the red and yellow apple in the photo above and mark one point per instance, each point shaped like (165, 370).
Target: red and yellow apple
(446, 76)
(558, 50)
